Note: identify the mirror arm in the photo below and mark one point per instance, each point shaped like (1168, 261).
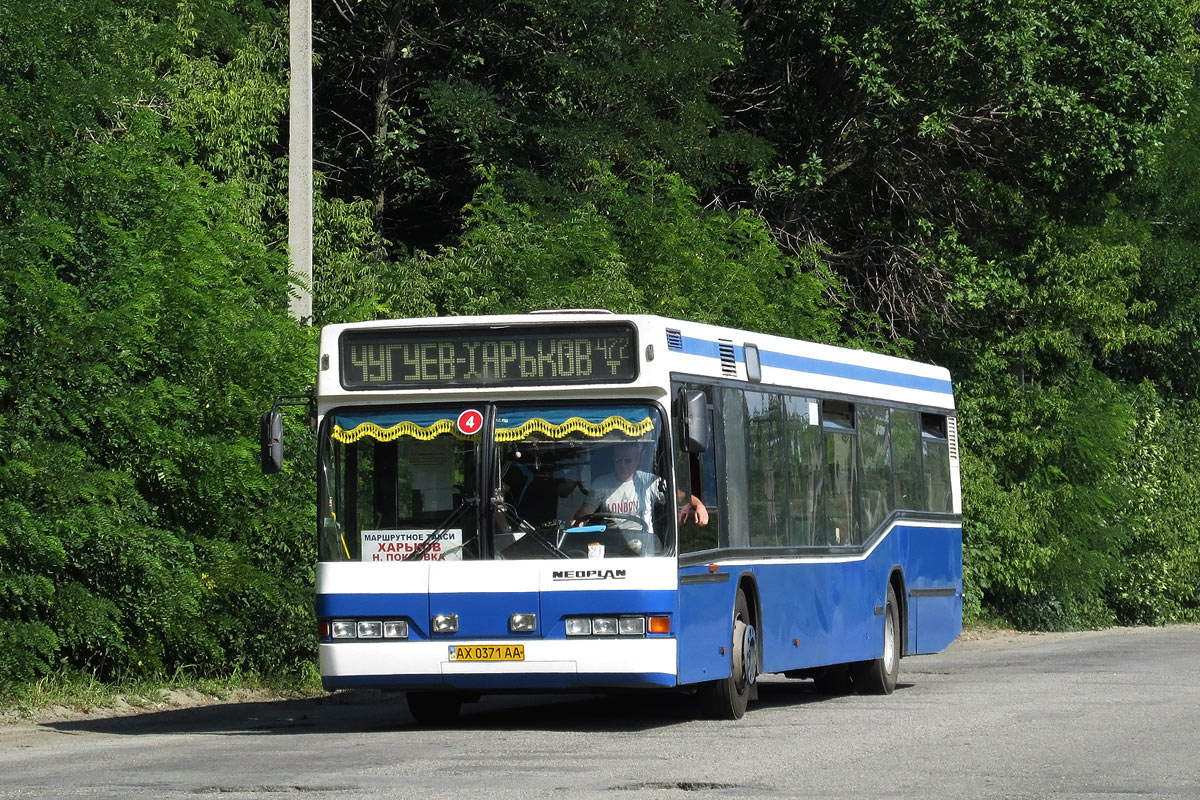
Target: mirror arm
(270, 431)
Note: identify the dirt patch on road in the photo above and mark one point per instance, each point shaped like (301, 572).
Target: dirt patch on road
(1007, 639)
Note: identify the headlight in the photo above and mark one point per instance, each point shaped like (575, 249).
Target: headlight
(522, 623)
(616, 626)
(344, 629)
(395, 629)
(579, 626)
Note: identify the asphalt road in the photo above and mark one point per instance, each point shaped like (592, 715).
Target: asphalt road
(1092, 715)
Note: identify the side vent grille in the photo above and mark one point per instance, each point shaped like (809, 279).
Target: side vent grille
(674, 340)
(952, 436)
(728, 359)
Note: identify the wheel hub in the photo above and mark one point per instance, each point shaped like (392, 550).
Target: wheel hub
(746, 656)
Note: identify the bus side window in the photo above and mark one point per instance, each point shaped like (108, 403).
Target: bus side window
(935, 451)
(908, 484)
(841, 480)
(695, 474)
(767, 489)
(875, 465)
(731, 430)
(804, 462)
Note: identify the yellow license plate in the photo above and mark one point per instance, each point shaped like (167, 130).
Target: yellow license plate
(487, 652)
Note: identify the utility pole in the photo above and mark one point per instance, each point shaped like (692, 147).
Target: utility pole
(300, 160)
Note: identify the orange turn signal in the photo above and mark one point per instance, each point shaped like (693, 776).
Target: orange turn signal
(660, 625)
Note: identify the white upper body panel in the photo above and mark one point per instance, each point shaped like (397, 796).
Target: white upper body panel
(664, 347)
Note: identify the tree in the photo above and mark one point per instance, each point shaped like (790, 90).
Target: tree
(414, 98)
(144, 328)
(899, 124)
(642, 245)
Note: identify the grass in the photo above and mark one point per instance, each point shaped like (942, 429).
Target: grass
(81, 692)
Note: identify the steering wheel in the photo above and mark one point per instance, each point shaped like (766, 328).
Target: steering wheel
(638, 541)
(605, 518)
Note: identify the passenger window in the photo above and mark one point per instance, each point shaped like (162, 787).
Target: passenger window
(841, 474)
(875, 462)
(767, 489)
(908, 475)
(935, 450)
(733, 433)
(804, 465)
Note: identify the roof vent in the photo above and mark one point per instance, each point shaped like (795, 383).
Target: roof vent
(572, 311)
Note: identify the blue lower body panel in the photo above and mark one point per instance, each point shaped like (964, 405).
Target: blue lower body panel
(825, 609)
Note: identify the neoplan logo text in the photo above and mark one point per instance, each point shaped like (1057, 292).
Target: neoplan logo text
(589, 574)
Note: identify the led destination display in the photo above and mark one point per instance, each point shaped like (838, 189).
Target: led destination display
(405, 359)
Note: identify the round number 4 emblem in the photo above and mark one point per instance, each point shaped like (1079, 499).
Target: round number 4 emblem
(469, 422)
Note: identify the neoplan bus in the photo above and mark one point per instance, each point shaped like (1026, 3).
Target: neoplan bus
(470, 542)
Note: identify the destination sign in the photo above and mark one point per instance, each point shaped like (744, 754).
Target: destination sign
(425, 358)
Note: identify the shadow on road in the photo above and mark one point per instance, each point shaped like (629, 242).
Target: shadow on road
(367, 711)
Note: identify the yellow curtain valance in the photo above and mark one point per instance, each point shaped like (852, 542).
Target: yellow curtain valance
(552, 430)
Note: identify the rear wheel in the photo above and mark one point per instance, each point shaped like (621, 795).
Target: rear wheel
(727, 698)
(434, 708)
(878, 676)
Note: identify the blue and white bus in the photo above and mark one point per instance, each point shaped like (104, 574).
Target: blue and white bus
(580, 500)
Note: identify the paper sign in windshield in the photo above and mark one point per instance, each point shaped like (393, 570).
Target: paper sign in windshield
(396, 545)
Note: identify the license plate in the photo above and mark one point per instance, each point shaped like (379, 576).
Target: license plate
(487, 652)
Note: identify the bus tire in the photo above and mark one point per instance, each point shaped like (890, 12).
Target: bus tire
(434, 708)
(878, 676)
(727, 698)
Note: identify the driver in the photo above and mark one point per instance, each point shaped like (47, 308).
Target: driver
(629, 490)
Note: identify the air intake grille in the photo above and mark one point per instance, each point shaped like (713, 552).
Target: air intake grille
(952, 436)
(674, 340)
(728, 359)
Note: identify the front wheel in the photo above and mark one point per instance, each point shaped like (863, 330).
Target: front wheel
(727, 698)
(878, 676)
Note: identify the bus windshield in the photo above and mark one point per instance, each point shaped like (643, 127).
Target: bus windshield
(506, 482)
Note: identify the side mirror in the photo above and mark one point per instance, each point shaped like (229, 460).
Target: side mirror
(693, 419)
(270, 440)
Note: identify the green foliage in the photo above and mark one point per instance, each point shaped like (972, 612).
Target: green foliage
(884, 117)
(352, 284)
(228, 91)
(1044, 521)
(416, 97)
(642, 245)
(1157, 578)
(144, 330)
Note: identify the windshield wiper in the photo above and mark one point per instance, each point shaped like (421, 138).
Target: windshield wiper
(436, 533)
